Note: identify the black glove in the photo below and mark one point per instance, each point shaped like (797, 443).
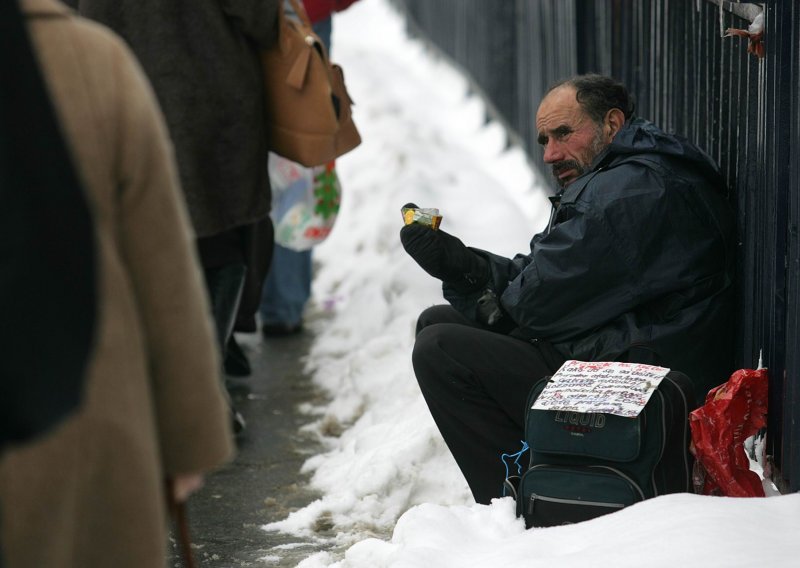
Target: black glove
(445, 257)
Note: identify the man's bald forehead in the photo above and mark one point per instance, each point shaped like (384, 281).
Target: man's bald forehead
(563, 94)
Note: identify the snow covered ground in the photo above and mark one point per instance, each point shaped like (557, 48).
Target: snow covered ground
(390, 488)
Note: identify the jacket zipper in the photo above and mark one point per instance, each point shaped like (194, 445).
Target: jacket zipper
(555, 201)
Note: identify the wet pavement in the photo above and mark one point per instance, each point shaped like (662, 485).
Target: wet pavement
(263, 484)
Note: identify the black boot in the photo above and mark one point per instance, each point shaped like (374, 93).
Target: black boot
(236, 362)
(225, 289)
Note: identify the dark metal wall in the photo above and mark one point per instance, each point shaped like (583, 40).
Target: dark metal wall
(743, 111)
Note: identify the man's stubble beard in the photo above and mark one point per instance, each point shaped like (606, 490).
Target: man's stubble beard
(597, 146)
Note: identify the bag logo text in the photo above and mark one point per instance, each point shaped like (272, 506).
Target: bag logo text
(580, 423)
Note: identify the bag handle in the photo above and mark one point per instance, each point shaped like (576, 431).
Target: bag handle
(641, 352)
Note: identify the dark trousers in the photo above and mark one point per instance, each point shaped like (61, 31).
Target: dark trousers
(259, 248)
(476, 384)
(235, 263)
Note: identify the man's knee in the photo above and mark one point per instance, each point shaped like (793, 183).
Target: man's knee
(430, 357)
(427, 348)
(438, 314)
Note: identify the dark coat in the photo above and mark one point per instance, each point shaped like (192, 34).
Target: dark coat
(201, 57)
(639, 252)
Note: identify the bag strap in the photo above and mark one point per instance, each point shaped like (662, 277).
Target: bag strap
(300, 10)
(641, 352)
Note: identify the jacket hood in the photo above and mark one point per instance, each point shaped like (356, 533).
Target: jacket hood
(640, 136)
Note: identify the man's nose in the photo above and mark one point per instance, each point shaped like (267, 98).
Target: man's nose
(552, 153)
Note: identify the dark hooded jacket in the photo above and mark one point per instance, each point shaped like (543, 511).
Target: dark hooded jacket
(637, 257)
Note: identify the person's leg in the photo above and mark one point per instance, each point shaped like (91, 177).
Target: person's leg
(223, 263)
(259, 244)
(225, 291)
(444, 313)
(476, 383)
(258, 240)
(225, 268)
(286, 290)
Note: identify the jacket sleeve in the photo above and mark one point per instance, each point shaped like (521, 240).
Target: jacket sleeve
(257, 19)
(615, 251)
(157, 246)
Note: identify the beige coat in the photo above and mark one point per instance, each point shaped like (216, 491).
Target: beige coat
(90, 493)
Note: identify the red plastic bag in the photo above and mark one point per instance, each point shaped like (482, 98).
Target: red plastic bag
(733, 412)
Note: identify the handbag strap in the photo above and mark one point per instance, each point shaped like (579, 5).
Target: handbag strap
(300, 10)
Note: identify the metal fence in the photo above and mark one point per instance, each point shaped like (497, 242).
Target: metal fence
(744, 111)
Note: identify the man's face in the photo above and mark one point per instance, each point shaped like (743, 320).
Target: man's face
(571, 140)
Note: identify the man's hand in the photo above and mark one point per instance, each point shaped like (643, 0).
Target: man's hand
(444, 256)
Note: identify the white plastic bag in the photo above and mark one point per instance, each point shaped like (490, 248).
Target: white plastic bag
(305, 202)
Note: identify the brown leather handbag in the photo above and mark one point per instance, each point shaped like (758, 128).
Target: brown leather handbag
(308, 110)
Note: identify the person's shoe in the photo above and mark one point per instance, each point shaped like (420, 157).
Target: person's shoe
(237, 422)
(236, 362)
(281, 329)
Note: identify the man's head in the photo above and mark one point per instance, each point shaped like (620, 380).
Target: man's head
(577, 120)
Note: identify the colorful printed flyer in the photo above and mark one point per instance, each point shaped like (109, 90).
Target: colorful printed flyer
(604, 387)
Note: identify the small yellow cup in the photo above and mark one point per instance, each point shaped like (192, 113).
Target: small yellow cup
(429, 217)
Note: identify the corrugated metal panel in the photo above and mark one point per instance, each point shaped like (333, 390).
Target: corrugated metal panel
(688, 79)
(783, 180)
(547, 48)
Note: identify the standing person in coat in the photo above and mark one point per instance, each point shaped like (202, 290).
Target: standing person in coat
(287, 287)
(202, 58)
(91, 493)
(637, 259)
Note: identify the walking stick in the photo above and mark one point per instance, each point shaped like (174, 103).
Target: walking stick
(179, 516)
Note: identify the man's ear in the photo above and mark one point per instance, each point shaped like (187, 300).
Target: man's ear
(614, 121)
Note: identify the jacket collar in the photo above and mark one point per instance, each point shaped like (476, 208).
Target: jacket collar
(601, 162)
(44, 8)
(571, 193)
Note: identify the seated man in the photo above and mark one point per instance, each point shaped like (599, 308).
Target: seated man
(635, 263)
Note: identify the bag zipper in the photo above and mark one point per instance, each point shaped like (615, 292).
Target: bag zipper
(613, 470)
(534, 497)
(619, 473)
